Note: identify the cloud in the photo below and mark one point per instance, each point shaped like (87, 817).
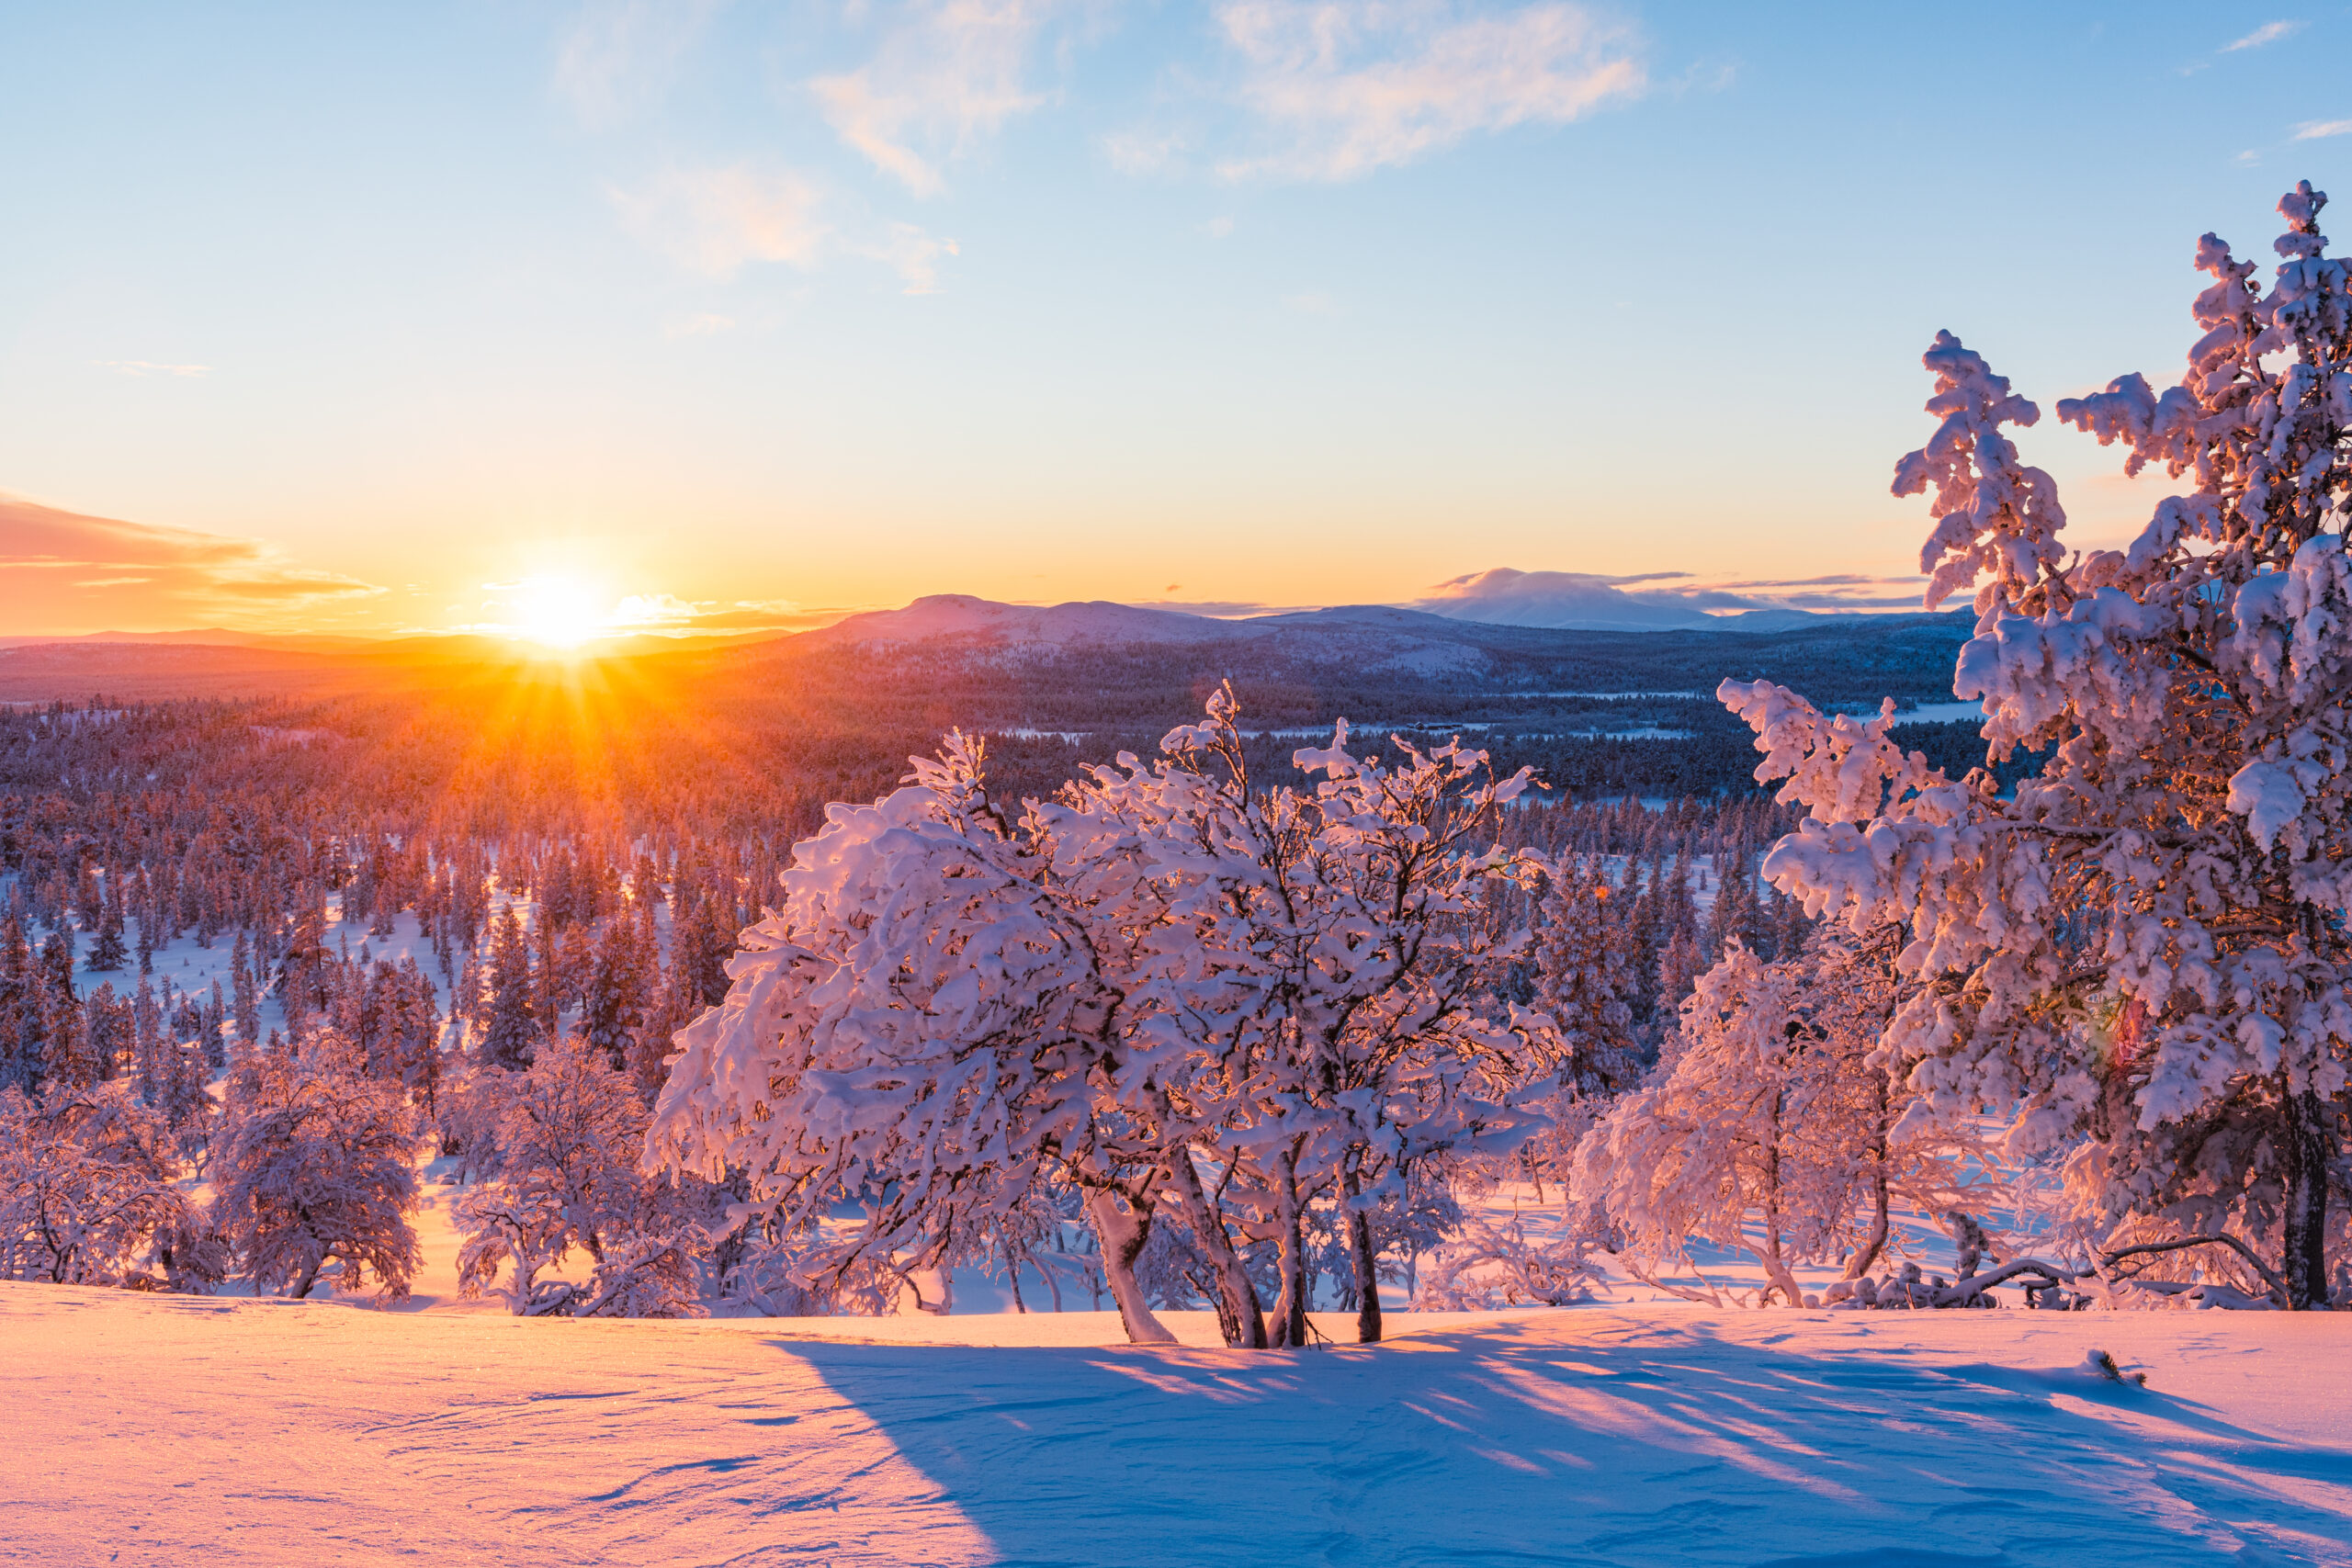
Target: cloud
(1348, 88)
(2269, 32)
(1509, 597)
(63, 572)
(1220, 609)
(619, 55)
(149, 367)
(715, 221)
(1144, 152)
(2313, 129)
(947, 72)
(667, 614)
(703, 324)
(911, 254)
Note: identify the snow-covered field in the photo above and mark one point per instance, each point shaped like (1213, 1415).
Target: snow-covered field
(154, 1430)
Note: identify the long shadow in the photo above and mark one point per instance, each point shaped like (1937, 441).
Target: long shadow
(1525, 1444)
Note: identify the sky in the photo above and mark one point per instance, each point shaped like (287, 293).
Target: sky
(725, 315)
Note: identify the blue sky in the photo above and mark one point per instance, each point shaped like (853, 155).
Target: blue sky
(779, 309)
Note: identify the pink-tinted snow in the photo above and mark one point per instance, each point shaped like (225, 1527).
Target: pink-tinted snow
(176, 1430)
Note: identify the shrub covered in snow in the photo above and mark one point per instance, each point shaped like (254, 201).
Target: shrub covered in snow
(316, 1162)
(1166, 987)
(85, 1185)
(560, 1176)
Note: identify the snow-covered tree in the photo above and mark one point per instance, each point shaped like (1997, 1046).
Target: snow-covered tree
(2146, 942)
(570, 1132)
(85, 1183)
(1766, 1127)
(510, 1029)
(1584, 981)
(620, 988)
(316, 1162)
(1163, 989)
(108, 950)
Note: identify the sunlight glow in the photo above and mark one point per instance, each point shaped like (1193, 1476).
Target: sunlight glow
(558, 611)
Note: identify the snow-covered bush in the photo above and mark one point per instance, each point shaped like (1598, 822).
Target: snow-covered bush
(1164, 988)
(1767, 1126)
(315, 1163)
(2144, 945)
(562, 1178)
(1488, 1265)
(85, 1185)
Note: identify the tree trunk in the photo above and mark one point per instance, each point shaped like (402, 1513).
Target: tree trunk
(1866, 1256)
(2304, 1170)
(1123, 1228)
(1237, 1313)
(1367, 1261)
(1776, 1268)
(1289, 1327)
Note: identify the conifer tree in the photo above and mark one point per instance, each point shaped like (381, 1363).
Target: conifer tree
(510, 1030)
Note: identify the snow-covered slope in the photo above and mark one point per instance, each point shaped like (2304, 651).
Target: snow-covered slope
(150, 1430)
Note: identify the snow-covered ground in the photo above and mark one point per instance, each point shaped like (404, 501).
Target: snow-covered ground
(153, 1430)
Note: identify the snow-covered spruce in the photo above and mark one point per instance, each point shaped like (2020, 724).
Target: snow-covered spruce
(2147, 942)
(1162, 989)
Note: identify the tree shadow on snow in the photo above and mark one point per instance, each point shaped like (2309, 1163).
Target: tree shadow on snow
(1515, 1445)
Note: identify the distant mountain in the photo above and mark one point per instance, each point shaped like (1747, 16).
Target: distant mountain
(204, 637)
(960, 615)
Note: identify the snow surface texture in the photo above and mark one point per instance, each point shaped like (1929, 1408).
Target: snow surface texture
(152, 1430)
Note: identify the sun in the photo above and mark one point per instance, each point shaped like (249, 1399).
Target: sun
(557, 611)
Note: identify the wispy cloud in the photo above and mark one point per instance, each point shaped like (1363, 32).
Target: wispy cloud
(947, 72)
(64, 572)
(703, 324)
(667, 613)
(1343, 89)
(619, 55)
(715, 221)
(2313, 129)
(2268, 33)
(1145, 152)
(914, 255)
(149, 367)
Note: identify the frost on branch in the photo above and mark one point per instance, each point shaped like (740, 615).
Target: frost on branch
(2145, 946)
